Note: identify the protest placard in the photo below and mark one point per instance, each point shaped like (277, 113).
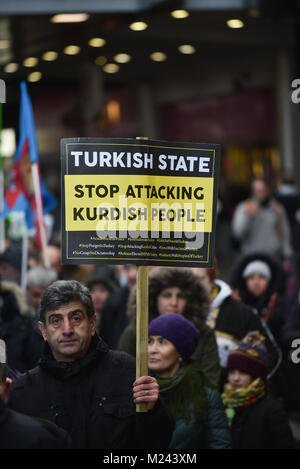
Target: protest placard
(145, 202)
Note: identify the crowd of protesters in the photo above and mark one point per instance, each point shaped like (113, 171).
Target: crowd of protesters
(221, 368)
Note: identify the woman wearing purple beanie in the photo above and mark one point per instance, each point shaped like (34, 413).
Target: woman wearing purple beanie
(177, 290)
(195, 405)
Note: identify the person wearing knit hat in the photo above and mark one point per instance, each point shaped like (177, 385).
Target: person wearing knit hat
(250, 356)
(178, 330)
(194, 403)
(256, 420)
(177, 290)
(257, 275)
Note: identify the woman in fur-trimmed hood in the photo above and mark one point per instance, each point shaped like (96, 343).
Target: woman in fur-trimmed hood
(196, 307)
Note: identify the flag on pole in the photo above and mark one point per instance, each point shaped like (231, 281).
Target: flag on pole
(26, 191)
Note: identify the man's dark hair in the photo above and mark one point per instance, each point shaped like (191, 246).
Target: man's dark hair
(62, 292)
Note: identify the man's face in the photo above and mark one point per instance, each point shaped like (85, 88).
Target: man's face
(68, 331)
(34, 296)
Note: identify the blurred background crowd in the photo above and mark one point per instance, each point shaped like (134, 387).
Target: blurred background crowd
(258, 292)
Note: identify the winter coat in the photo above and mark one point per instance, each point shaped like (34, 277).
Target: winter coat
(91, 398)
(20, 333)
(210, 433)
(206, 353)
(262, 425)
(19, 431)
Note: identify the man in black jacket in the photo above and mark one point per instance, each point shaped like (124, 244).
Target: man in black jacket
(83, 386)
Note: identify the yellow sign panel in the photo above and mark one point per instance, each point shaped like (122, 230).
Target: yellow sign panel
(145, 203)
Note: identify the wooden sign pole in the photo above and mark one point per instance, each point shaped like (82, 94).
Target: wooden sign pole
(142, 320)
(142, 327)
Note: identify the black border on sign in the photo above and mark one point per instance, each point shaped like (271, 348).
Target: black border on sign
(215, 148)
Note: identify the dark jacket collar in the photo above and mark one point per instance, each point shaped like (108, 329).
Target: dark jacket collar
(66, 370)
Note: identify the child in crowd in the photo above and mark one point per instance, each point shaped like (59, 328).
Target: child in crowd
(256, 420)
